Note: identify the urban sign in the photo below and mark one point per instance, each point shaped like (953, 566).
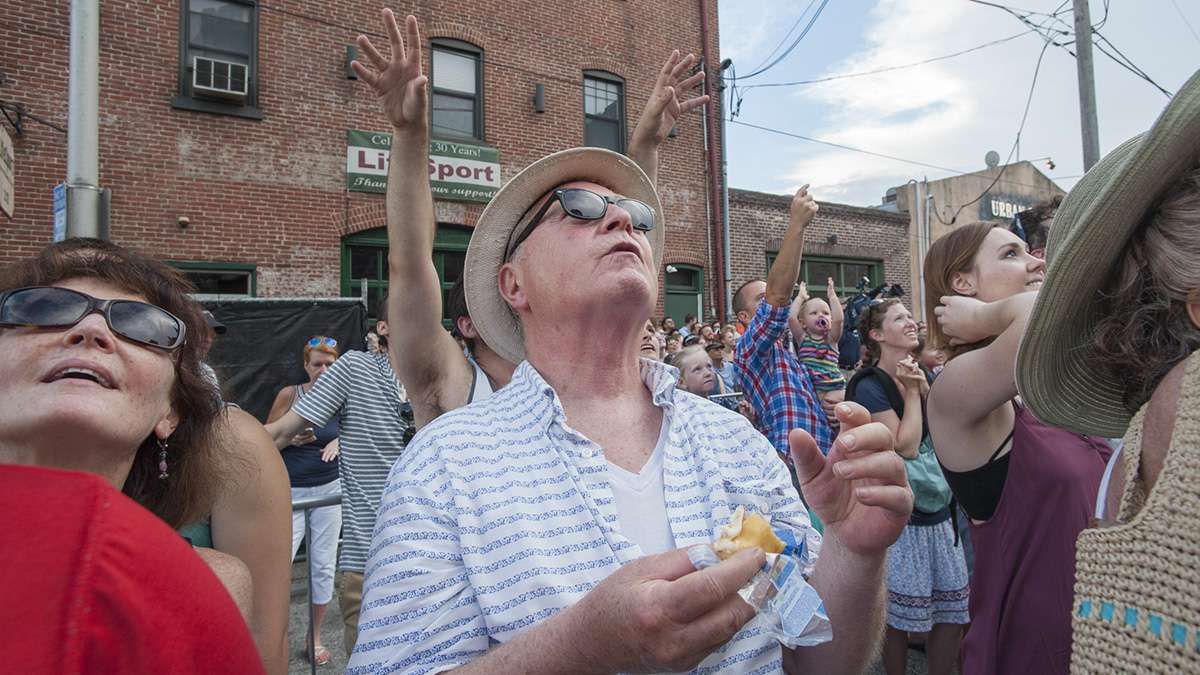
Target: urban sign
(457, 171)
(1002, 207)
(7, 164)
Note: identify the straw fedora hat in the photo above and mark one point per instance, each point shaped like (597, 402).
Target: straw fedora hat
(492, 316)
(1058, 373)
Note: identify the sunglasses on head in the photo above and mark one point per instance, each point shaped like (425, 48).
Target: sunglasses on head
(53, 307)
(318, 341)
(583, 204)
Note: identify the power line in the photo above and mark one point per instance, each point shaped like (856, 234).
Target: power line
(1129, 64)
(889, 68)
(895, 158)
(844, 147)
(787, 35)
(811, 22)
(1185, 20)
(1016, 142)
(1124, 61)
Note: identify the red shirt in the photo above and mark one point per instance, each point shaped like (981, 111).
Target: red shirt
(93, 583)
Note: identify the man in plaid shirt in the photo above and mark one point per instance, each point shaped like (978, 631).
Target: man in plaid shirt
(778, 386)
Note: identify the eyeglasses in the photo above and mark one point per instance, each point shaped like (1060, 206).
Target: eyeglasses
(318, 341)
(583, 204)
(52, 307)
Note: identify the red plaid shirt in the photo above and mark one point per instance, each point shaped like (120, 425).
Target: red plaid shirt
(778, 386)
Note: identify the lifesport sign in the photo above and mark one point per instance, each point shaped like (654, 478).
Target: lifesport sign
(457, 171)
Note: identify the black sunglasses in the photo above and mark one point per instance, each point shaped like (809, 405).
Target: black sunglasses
(53, 307)
(583, 204)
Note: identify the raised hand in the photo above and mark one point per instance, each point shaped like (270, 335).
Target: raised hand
(962, 319)
(911, 375)
(667, 102)
(830, 290)
(397, 82)
(803, 208)
(860, 491)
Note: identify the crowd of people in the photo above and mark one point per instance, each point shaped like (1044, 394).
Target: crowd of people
(508, 505)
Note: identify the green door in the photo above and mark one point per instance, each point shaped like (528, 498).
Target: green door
(684, 292)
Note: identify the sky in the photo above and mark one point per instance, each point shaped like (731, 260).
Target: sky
(949, 113)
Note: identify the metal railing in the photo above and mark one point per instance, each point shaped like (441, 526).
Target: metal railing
(307, 505)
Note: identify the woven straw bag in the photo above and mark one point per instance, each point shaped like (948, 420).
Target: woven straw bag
(1137, 584)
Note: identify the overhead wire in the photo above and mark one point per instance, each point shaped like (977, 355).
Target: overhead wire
(799, 38)
(1068, 29)
(889, 69)
(1182, 16)
(1016, 141)
(795, 25)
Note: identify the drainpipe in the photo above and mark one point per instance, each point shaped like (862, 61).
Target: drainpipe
(725, 206)
(716, 184)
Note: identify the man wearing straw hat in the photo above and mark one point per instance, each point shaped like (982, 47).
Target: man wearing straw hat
(1113, 353)
(438, 374)
(544, 529)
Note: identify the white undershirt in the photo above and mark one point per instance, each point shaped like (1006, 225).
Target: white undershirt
(642, 501)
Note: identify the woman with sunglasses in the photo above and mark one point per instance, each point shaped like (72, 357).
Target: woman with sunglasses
(103, 376)
(1027, 488)
(312, 467)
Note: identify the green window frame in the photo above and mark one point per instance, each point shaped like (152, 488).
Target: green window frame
(364, 256)
(210, 276)
(846, 272)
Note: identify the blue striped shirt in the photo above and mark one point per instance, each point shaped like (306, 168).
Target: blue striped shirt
(499, 515)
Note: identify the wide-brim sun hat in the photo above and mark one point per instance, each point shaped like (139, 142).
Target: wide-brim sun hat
(510, 206)
(1059, 372)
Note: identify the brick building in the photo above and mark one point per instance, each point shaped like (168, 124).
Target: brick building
(843, 242)
(225, 127)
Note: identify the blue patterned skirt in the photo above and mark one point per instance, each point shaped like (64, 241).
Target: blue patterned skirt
(926, 578)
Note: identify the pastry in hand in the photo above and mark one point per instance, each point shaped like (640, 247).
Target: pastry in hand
(746, 531)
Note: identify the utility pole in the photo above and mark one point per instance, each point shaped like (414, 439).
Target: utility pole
(1087, 84)
(87, 204)
(728, 271)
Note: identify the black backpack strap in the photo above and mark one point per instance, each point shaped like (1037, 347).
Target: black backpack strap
(889, 387)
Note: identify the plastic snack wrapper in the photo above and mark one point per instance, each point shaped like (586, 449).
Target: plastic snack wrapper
(793, 612)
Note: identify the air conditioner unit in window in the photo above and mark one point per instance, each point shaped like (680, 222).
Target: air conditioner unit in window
(221, 79)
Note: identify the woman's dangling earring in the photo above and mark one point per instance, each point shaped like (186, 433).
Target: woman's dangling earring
(162, 459)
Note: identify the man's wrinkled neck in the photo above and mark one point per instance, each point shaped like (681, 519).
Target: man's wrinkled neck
(592, 356)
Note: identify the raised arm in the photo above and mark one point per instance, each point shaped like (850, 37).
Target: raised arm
(426, 358)
(974, 385)
(663, 110)
(836, 316)
(786, 269)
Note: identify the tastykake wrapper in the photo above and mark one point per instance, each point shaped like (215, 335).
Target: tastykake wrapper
(746, 531)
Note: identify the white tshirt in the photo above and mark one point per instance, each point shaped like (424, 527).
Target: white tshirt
(641, 501)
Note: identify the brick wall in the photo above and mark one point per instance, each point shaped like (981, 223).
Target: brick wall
(757, 222)
(272, 191)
